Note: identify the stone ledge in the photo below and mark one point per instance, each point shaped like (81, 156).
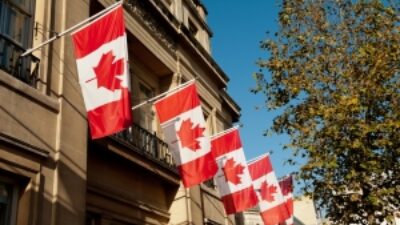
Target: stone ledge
(23, 146)
(28, 91)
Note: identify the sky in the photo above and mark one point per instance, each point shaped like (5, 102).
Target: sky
(238, 27)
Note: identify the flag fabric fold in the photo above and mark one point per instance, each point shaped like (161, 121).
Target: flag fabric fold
(102, 63)
(271, 203)
(286, 185)
(183, 125)
(233, 178)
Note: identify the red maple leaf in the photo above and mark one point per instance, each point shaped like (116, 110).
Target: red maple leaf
(189, 135)
(107, 70)
(286, 190)
(232, 171)
(268, 191)
(286, 187)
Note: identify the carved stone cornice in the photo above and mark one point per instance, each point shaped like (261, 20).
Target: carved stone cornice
(141, 9)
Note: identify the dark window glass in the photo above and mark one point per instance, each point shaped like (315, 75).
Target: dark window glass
(192, 28)
(92, 219)
(16, 20)
(16, 25)
(6, 198)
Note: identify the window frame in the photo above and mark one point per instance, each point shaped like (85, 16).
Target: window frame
(193, 28)
(147, 115)
(12, 215)
(14, 40)
(28, 30)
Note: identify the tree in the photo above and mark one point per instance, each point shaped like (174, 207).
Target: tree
(334, 71)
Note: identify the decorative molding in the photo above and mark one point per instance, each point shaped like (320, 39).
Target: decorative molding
(23, 146)
(140, 9)
(192, 4)
(143, 11)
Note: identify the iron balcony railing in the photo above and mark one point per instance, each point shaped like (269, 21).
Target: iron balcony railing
(148, 144)
(25, 68)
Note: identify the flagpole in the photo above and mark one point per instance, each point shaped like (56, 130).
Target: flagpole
(163, 94)
(257, 158)
(59, 35)
(286, 176)
(224, 132)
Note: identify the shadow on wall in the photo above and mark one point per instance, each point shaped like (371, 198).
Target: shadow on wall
(119, 188)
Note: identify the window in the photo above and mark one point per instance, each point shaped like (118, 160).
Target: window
(16, 17)
(97, 219)
(144, 115)
(192, 28)
(92, 219)
(8, 201)
(16, 21)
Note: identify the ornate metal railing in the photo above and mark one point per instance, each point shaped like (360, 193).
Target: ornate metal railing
(148, 144)
(25, 68)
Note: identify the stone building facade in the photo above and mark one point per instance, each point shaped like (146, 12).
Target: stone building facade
(51, 172)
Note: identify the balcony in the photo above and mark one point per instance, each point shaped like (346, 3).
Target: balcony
(23, 68)
(147, 144)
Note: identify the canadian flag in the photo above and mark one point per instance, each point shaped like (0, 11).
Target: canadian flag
(183, 124)
(102, 62)
(286, 185)
(233, 177)
(272, 205)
